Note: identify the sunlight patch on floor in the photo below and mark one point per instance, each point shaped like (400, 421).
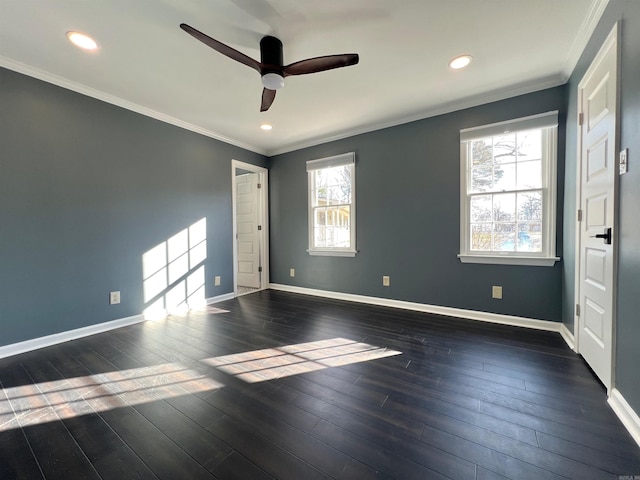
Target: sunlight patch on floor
(34, 404)
(272, 363)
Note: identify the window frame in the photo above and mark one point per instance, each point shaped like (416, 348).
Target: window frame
(548, 123)
(345, 159)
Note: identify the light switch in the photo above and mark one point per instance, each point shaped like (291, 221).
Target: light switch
(624, 158)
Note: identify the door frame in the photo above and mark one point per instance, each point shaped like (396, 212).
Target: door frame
(612, 41)
(264, 215)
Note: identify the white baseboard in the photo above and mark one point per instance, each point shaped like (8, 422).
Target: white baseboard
(568, 337)
(422, 307)
(56, 338)
(49, 340)
(625, 413)
(220, 298)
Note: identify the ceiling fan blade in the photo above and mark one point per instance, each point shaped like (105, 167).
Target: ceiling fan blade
(320, 64)
(268, 96)
(221, 47)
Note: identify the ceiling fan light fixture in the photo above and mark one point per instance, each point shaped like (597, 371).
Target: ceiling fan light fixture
(272, 81)
(82, 41)
(460, 61)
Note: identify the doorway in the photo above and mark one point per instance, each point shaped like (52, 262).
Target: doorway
(596, 241)
(250, 227)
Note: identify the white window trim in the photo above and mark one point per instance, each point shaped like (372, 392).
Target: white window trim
(335, 161)
(547, 257)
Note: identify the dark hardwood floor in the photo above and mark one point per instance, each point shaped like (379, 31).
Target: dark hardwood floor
(324, 389)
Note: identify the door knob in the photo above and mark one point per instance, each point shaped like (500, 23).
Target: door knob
(606, 236)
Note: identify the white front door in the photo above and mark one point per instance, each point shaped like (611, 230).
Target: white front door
(248, 235)
(597, 102)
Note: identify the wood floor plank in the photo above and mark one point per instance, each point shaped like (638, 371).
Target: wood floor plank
(237, 467)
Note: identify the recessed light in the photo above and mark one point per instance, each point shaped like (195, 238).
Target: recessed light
(266, 126)
(460, 61)
(82, 41)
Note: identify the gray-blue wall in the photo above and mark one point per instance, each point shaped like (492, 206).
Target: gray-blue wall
(408, 210)
(627, 352)
(86, 188)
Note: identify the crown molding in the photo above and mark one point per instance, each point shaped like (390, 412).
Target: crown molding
(477, 100)
(584, 34)
(30, 71)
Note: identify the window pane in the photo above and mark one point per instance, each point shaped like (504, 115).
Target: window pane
(504, 207)
(342, 237)
(530, 206)
(321, 178)
(319, 237)
(530, 145)
(342, 216)
(482, 179)
(505, 227)
(481, 234)
(504, 148)
(504, 242)
(505, 177)
(529, 174)
(320, 197)
(329, 237)
(320, 217)
(481, 208)
(532, 243)
(481, 166)
(336, 195)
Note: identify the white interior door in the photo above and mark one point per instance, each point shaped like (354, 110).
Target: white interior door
(248, 235)
(598, 91)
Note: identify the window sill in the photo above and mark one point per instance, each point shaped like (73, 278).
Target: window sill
(509, 260)
(333, 253)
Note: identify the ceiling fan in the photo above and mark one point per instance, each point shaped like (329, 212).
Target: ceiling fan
(270, 66)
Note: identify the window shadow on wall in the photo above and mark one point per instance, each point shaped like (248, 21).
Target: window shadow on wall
(173, 272)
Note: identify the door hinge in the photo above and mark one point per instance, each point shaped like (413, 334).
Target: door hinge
(580, 119)
(259, 227)
(580, 215)
(259, 185)
(236, 236)
(577, 309)
(259, 269)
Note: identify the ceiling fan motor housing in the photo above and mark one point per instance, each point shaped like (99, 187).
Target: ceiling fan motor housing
(271, 55)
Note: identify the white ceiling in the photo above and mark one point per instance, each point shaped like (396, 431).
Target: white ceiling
(148, 64)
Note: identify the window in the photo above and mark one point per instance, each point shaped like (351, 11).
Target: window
(332, 206)
(508, 192)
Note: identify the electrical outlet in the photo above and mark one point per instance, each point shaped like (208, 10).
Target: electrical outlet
(114, 298)
(292, 272)
(386, 280)
(216, 280)
(496, 292)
